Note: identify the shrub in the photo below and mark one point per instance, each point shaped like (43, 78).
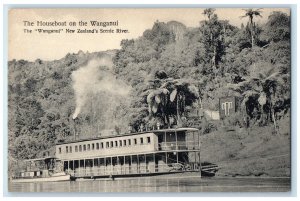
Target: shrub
(236, 119)
(208, 126)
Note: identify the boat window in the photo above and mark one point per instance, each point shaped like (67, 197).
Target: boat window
(102, 146)
(97, 145)
(111, 144)
(120, 143)
(67, 149)
(80, 148)
(93, 146)
(84, 147)
(59, 150)
(124, 142)
(70, 149)
(148, 140)
(88, 147)
(116, 143)
(76, 148)
(135, 141)
(129, 142)
(107, 144)
(142, 140)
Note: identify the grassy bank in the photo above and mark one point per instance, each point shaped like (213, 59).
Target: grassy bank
(249, 152)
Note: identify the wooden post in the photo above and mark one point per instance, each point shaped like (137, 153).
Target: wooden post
(84, 166)
(199, 145)
(193, 140)
(165, 139)
(93, 164)
(145, 162)
(105, 165)
(130, 163)
(154, 162)
(79, 167)
(124, 164)
(138, 164)
(195, 148)
(186, 140)
(111, 165)
(176, 140)
(118, 164)
(74, 166)
(166, 158)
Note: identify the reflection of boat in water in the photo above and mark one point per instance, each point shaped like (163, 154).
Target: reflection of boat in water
(41, 170)
(147, 153)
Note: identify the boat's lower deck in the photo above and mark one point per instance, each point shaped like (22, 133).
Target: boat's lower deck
(140, 164)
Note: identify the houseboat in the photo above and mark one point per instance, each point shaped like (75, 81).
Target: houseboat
(153, 152)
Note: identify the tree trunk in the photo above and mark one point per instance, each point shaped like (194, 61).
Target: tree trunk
(274, 120)
(251, 31)
(273, 117)
(215, 57)
(252, 39)
(179, 123)
(262, 115)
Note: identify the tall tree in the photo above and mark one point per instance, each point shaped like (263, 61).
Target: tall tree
(251, 13)
(277, 28)
(212, 30)
(170, 99)
(261, 88)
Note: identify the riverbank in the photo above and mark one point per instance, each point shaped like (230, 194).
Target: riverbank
(252, 152)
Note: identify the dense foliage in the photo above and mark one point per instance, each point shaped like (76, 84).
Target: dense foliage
(173, 71)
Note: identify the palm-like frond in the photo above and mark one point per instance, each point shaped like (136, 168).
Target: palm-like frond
(251, 13)
(157, 98)
(272, 77)
(247, 95)
(257, 13)
(173, 95)
(193, 90)
(154, 107)
(241, 87)
(150, 96)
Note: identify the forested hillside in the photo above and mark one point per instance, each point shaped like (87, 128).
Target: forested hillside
(165, 76)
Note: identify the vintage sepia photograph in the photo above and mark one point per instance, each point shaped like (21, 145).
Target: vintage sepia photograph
(149, 100)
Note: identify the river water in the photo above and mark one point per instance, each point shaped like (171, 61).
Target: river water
(156, 184)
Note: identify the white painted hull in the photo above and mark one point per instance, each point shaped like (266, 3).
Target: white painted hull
(41, 179)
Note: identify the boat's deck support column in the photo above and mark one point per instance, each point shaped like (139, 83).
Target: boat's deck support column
(199, 154)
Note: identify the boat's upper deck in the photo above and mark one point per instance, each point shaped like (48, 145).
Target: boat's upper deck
(129, 144)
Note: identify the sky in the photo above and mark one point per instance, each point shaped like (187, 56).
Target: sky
(32, 46)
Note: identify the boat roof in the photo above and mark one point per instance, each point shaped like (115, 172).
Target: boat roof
(40, 159)
(129, 134)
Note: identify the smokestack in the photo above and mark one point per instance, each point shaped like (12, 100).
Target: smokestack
(129, 129)
(158, 125)
(75, 128)
(77, 111)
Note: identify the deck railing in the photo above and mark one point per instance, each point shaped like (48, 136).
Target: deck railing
(179, 145)
(141, 169)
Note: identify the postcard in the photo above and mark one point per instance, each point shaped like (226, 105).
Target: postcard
(149, 100)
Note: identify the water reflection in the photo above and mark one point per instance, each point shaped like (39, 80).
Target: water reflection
(159, 185)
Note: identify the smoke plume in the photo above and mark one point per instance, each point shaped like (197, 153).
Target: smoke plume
(94, 78)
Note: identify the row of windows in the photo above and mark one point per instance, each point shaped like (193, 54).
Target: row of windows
(110, 144)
